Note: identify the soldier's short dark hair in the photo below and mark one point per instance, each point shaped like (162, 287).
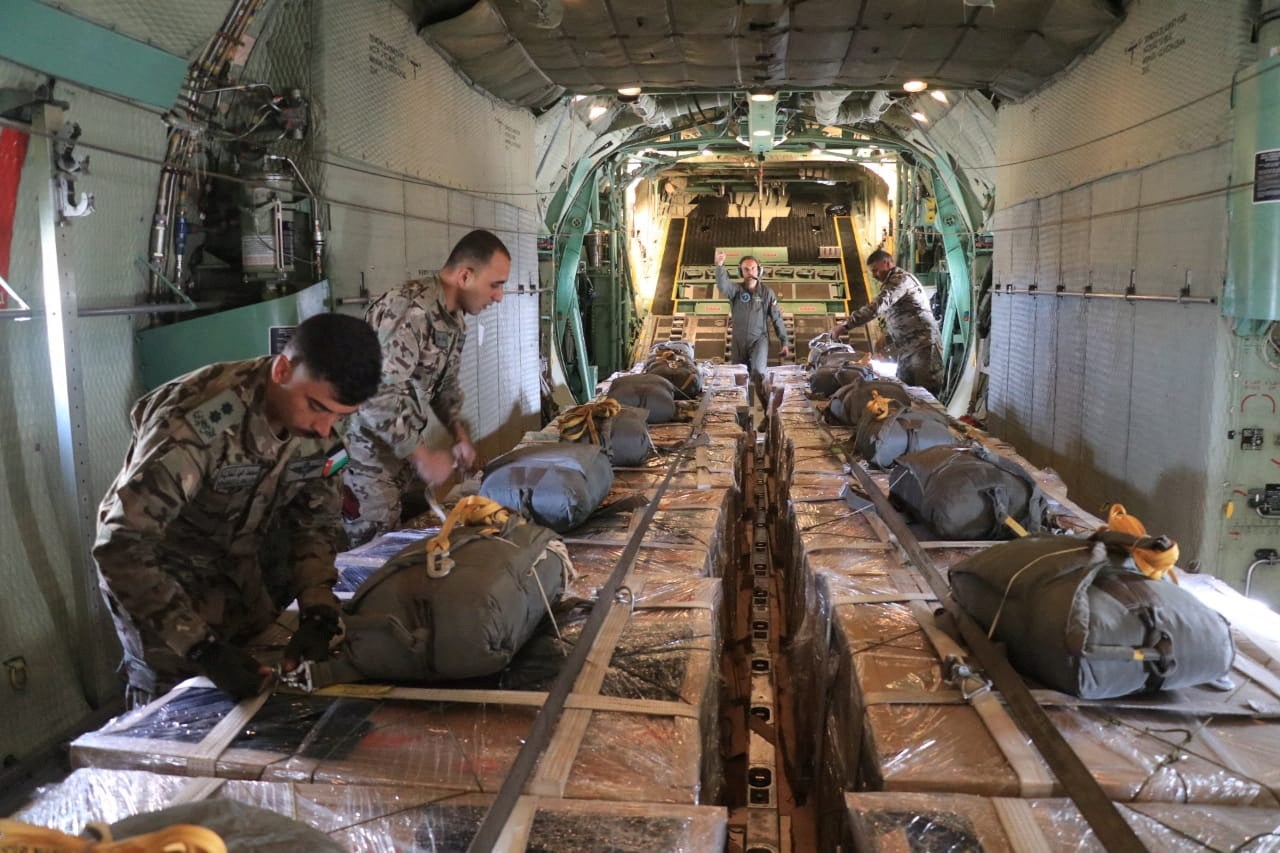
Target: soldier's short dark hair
(476, 248)
(879, 255)
(342, 351)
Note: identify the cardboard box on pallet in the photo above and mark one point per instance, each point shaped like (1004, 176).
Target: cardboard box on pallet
(897, 724)
(641, 725)
(943, 823)
(386, 818)
(838, 577)
(817, 520)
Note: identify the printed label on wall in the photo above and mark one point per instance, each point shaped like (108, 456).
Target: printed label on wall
(1266, 176)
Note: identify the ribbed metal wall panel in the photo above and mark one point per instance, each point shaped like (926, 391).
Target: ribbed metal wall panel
(1156, 88)
(1021, 382)
(1002, 344)
(1108, 371)
(1066, 441)
(1043, 369)
(1123, 398)
(1169, 440)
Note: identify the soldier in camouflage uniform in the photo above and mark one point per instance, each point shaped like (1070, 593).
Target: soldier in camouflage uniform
(422, 330)
(908, 321)
(217, 456)
(754, 308)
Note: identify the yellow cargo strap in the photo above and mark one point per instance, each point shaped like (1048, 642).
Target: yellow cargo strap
(471, 511)
(1013, 525)
(19, 837)
(1152, 563)
(881, 407)
(581, 420)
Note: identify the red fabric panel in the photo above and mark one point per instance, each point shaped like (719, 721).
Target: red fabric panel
(13, 150)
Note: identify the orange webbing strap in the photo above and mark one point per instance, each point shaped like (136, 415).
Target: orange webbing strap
(19, 837)
(471, 511)
(581, 420)
(1151, 562)
(881, 407)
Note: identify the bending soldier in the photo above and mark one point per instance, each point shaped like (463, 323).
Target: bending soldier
(422, 330)
(217, 457)
(909, 323)
(755, 307)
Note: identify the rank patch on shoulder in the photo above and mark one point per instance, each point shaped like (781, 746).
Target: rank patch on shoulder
(304, 469)
(234, 478)
(216, 415)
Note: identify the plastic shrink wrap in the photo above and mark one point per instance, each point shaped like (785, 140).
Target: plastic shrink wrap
(387, 819)
(951, 823)
(644, 730)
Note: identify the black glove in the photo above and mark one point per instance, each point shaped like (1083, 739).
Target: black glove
(316, 629)
(232, 670)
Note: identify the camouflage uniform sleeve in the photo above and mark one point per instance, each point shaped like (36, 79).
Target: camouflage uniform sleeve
(728, 288)
(162, 476)
(314, 517)
(447, 402)
(867, 312)
(394, 414)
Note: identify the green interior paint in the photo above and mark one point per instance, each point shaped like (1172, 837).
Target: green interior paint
(70, 48)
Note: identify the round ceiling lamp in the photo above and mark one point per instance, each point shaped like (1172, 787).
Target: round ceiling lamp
(915, 86)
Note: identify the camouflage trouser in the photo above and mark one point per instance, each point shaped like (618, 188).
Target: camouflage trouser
(923, 367)
(755, 355)
(233, 613)
(371, 491)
